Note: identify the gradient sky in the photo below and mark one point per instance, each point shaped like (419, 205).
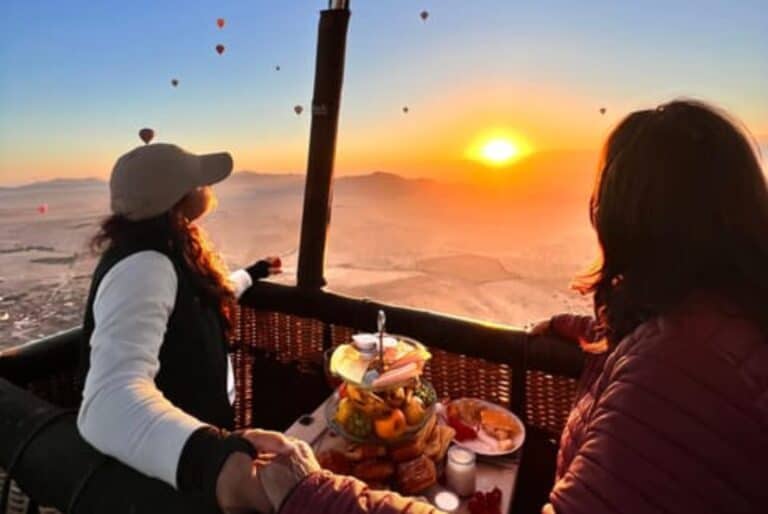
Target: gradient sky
(78, 78)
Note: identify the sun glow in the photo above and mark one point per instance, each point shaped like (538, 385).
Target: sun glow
(497, 150)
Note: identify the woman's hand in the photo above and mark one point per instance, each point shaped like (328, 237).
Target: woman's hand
(267, 441)
(275, 265)
(264, 268)
(281, 477)
(541, 328)
(238, 488)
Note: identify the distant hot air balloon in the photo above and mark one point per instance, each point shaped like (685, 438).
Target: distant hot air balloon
(424, 15)
(42, 208)
(220, 48)
(220, 22)
(602, 110)
(298, 110)
(146, 135)
(174, 82)
(277, 68)
(405, 110)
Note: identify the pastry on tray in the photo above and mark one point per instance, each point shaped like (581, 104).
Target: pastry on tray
(438, 443)
(416, 475)
(335, 461)
(414, 448)
(374, 470)
(357, 452)
(407, 451)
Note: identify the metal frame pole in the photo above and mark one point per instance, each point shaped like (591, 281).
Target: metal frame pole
(329, 76)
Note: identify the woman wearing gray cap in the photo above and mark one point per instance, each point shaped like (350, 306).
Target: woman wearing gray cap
(159, 384)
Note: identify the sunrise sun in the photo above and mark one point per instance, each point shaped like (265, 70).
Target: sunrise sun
(497, 149)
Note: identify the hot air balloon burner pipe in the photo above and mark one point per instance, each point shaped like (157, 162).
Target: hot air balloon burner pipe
(329, 75)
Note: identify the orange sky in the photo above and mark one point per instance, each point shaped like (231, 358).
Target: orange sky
(432, 140)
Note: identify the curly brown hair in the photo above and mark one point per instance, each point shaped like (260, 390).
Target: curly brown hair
(680, 205)
(173, 233)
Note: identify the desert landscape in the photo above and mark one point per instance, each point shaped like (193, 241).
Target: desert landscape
(489, 252)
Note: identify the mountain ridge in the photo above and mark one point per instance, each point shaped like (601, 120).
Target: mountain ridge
(238, 176)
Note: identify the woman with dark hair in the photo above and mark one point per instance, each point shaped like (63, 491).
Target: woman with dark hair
(673, 415)
(159, 384)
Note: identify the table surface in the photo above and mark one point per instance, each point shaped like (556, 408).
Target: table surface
(492, 472)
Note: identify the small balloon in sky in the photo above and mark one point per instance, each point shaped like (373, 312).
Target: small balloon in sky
(602, 110)
(405, 110)
(146, 135)
(298, 110)
(220, 48)
(174, 82)
(220, 22)
(42, 208)
(424, 15)
(277, 68)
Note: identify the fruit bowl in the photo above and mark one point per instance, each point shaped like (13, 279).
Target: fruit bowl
(372, 417)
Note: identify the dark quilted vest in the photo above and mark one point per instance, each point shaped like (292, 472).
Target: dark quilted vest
(193, 356)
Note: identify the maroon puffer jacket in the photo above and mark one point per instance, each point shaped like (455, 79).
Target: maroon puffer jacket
(323, 492)
(677, 422)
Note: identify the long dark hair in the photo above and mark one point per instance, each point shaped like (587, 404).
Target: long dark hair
(680, 205)
(182, 238)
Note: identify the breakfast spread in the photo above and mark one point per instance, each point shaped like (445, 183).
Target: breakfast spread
(388, 428)
(385, 415)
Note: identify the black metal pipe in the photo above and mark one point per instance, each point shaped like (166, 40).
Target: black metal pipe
(41, 359)
(329, 76)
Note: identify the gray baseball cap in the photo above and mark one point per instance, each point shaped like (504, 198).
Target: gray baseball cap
(149, 180)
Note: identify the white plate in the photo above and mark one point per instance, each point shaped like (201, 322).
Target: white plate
(479, 446)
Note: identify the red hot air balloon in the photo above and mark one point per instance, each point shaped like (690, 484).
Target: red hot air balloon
(146, 135)
(220, 48)
(424, 15)
(298, 110)
(220, 22)
(174, 82)
(42, 208)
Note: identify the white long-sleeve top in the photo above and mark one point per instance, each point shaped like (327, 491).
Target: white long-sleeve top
(123, 414)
